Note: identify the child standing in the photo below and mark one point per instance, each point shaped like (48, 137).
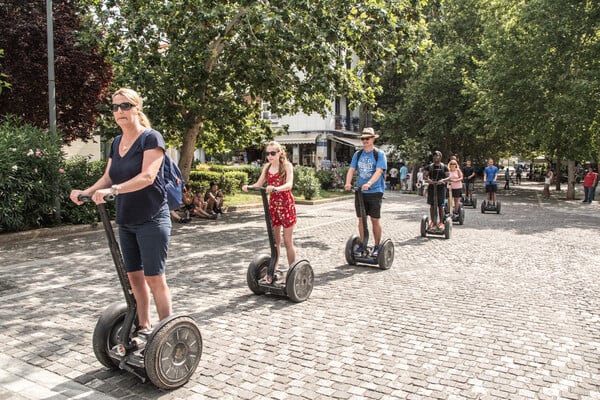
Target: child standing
(278, 173)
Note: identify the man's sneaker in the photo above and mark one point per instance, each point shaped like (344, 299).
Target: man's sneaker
(441, 226)
(359, 249)
(375, 252)
(431, 224)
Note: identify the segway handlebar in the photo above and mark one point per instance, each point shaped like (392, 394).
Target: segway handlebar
(259, 188)
(88, 199)
(440, 182)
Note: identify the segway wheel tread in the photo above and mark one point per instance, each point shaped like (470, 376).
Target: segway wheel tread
(424, 222)
(385, 258)
(173, 353)
(447, 228)
(300, 281)
(256, 271)
(498, 207)
(106, 333)
(349, 251)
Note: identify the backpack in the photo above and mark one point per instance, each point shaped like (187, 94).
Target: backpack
(375, 154)
(173, 179)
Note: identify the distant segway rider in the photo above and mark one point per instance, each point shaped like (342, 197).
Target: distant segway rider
(436, 172)
(469, 176)
(455, 184)
(490, 176)
(370, 164)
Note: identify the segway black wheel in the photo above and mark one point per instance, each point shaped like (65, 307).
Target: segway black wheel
(351, 244)
(483, 205)
(173, 353)
(461, 215)
(447, 228)
(106, 333)
(474, 202)
(498, 207)
(424, 222)
(385, 258)
(299, 282)
(256, 271)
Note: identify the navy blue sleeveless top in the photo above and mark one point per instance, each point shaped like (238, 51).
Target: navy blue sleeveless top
(139, 206)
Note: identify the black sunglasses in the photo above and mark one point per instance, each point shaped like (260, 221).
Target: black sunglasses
(364, 139)
(124, 107)
(272, 153)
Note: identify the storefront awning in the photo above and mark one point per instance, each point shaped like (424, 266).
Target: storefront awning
(356, 143)
(297, 138)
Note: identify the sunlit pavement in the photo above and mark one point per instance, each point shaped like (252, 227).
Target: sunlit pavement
(507, 308)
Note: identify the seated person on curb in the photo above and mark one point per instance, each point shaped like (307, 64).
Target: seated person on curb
(200, 208)
(435, 174)
(185, 208)
(214, 199)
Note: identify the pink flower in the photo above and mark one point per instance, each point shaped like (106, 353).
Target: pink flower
(35, 170)
(61, 171)
(38, 152)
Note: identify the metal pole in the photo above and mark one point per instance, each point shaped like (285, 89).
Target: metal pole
(52, 98)
(51, 80)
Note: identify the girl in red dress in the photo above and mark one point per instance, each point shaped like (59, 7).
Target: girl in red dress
(278, 173)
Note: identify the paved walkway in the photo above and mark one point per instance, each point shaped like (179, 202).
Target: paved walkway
(508, 308)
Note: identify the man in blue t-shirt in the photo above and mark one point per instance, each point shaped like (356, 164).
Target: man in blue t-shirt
(490, 175)
(403, 177)
(371, 180)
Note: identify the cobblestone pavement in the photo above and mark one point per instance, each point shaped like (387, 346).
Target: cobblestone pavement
(508, 308)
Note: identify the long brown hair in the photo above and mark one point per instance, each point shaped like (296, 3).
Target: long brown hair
(135, 99)
(282, 158)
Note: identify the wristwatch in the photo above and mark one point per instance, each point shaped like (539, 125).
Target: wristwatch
(114, 189)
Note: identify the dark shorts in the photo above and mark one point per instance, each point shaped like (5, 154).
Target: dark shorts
(456, 193)
(491, 188)
(441, 194)
(144, 246)
(469, 186)
(372, 204)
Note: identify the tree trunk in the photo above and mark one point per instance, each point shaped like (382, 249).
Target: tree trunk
(188, 148)
(571, 180)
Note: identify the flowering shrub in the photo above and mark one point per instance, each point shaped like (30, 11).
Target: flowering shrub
(31, 176)
(80, 173)
(35, 181)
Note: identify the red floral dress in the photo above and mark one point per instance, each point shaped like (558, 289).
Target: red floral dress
(282, 206)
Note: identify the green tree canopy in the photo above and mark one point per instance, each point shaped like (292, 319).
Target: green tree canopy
(203, 65)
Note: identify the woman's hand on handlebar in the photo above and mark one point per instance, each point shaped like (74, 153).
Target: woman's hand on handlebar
(347, 186)
(74, 196)
(245, 188)
(99, 195)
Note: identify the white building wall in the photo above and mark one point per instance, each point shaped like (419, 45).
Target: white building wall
(80, 148)
(304, 122)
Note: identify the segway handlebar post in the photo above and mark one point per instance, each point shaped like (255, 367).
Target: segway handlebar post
(263, 193)
(117, 257)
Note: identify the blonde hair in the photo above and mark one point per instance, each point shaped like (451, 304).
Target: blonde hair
(135, 99)
(282, 158)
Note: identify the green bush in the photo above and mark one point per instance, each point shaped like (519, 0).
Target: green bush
(31, 176)
(306, 182)
(81, 173)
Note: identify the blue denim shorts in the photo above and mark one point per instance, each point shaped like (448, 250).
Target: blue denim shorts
(144, 246)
